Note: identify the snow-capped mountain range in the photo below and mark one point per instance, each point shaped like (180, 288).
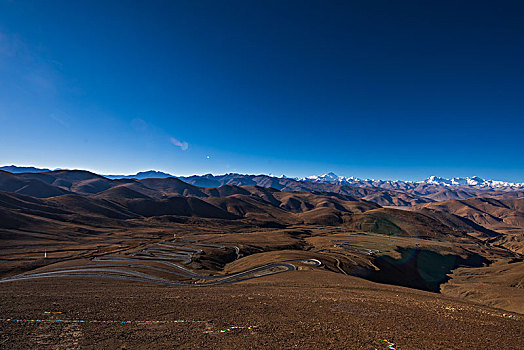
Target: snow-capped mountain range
(471, 181)
(474, 181)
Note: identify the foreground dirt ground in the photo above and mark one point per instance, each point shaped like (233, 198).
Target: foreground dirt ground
(300, 309)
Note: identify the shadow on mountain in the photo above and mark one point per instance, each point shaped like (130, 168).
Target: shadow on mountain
(420, 269)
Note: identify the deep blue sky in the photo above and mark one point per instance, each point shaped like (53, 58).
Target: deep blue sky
(378, 89)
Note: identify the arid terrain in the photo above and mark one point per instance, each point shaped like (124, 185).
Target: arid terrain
(257, 266)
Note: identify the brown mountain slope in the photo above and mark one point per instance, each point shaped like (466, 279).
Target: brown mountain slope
(182, 206)
(252, 208)
(458, 223)
(448, 194)
(21, 204)
(503, 215)
(139, 187)
(121, 192)
(256, 203)
(382, 196)
(301, 202)
(173, 187)
(377, 195)
(122, 220)
(290, 207)
(498, 285)
(266, 193)
(266, 206)
(125, 199)
(396, 222)
(324, 216)
(224, 191)
(53, 183)
(18, 201)
(31, 187)
(76, 181)
(394, 198)
(91, 206)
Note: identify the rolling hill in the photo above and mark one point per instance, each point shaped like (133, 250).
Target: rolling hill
(497, 214)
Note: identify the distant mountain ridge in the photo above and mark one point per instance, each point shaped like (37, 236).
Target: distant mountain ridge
(150, 174)
(65, 195)
(330, 177)
(384, 192)
(57, 197)
(474, 181)
(22, 169)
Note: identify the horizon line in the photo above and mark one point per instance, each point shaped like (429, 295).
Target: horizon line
(240, 173)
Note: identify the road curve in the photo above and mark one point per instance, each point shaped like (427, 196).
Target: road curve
(97, 272)
(164, 253)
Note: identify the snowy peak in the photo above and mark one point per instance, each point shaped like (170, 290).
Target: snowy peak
(437, 180)
(329, 178)
(474, 181)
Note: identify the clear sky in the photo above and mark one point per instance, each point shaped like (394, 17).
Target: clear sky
(373, 89)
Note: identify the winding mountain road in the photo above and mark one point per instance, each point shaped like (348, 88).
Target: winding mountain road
(163, 253)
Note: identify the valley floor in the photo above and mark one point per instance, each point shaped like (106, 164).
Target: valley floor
(291, 302)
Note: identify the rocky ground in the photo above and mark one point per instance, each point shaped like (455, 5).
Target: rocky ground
(300, 309)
